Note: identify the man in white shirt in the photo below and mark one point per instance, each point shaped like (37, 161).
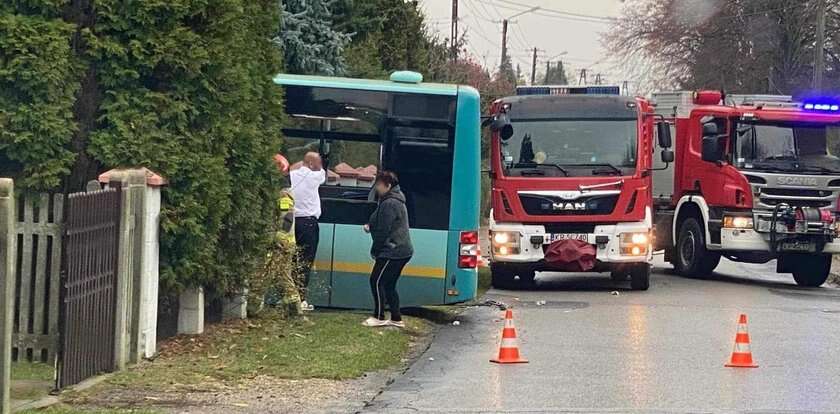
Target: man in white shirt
(306, 180)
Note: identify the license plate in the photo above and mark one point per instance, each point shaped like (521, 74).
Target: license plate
(551, 238)
(799, 246)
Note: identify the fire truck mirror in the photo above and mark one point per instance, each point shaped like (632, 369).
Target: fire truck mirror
(710, 129)
(712, 148)
(667, 156)
(663, 133)
(501, 124)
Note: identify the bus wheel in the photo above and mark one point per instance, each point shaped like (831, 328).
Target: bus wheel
(691, 257)
(640, 277)
(812, 270)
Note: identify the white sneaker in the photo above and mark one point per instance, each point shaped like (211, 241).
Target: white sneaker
(374, 322)
(306, 307)
(398, 324)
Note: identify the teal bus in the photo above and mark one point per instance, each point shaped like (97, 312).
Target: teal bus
(429, 134)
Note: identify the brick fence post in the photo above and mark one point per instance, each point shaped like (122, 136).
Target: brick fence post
(7, 271)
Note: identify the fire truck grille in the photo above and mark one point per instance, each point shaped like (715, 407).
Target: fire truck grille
(545, 205)
(769, 197)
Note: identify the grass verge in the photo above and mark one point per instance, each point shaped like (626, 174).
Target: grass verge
(330, 345)
(32, 371)
(484, 281)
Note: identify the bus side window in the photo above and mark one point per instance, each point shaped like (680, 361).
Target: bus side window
(422, 158)
(346, 196)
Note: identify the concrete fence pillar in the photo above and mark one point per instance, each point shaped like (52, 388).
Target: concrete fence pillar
(7, 272)
(191, 312)
(139, 275)
(236, 306)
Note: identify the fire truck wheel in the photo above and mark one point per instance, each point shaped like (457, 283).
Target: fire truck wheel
(640, 277)
(619, 275)
(505, 277)
(812, 270)
(691, 257)
(501, 277)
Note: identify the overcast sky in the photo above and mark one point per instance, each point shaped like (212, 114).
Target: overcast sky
(572, 26)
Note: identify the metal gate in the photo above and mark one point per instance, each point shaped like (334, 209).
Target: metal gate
(89, 285)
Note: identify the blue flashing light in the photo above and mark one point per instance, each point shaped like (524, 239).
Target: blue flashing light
(821, 106)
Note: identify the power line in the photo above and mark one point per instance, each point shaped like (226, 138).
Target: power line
(560, 12)
(553, 14)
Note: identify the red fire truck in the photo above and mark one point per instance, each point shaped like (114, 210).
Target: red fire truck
(571, 184)
(756, 178)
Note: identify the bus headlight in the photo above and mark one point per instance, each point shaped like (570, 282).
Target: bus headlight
(737, 222)
(505, 243)
(633, 244)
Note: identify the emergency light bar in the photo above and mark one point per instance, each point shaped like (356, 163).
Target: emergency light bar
(821, 106)
(568, 90)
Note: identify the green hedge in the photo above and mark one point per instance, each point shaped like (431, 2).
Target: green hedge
(182, 87)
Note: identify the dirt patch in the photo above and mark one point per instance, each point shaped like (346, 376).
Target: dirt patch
(262, 394)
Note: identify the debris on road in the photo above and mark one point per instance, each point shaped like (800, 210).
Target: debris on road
(456, 323)
(615, 293)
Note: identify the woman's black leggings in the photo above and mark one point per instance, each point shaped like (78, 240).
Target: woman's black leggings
(383, 284)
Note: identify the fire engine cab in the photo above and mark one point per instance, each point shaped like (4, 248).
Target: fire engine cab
(756, 178)
(571, 184)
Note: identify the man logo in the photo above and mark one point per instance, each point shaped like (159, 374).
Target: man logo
(569, 206)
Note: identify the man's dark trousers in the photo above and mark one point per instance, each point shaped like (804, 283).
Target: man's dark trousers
(306, 236)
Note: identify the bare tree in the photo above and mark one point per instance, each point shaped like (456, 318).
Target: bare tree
(747, 46)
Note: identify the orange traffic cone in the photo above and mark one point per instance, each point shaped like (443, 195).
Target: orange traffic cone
(741, 355)
(509, 348)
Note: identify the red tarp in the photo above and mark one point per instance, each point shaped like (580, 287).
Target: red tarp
(571, 255)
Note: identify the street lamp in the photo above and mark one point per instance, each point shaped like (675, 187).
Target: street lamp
(505, 30)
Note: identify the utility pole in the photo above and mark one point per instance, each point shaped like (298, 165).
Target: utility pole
(819, 58)
(505, 31)
(582, 79)
(534, 68)
(454, 30)
(504, 41)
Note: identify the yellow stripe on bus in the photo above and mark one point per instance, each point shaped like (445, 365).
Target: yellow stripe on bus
(365, 268)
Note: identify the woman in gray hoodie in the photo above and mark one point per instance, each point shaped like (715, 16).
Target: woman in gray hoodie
(392, 249)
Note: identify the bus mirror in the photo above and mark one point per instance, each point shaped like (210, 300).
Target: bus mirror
(667, 156)
(663, 132)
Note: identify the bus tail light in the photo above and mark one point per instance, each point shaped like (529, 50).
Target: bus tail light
(468, 250)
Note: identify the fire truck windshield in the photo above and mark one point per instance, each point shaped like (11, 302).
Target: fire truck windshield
(788, 147)
(579, 147)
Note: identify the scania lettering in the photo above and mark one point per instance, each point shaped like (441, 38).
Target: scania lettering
(571, 179)
(756, 178)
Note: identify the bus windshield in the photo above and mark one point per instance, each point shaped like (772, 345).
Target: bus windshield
(788, 147)
(579, 147)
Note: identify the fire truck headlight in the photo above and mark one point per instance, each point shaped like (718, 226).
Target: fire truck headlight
(634, 244)
(505, 243)
(737, 222)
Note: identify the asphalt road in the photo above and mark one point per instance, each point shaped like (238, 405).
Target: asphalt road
(643, 352)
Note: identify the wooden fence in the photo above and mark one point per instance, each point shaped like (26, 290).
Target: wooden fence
(37, 278)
